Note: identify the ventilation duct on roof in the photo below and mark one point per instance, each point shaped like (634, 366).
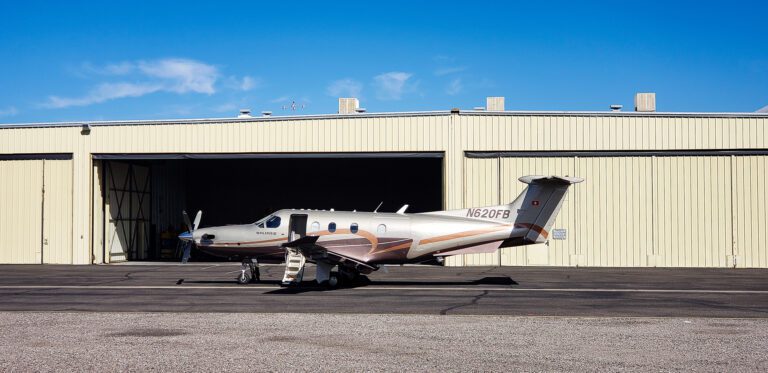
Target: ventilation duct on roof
(348, 105)
(645, 102)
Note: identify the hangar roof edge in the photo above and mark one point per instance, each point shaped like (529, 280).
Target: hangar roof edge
(386, 114)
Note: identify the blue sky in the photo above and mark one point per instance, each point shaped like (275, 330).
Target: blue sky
(62, 61)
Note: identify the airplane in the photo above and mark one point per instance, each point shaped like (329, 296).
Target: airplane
(358, 243)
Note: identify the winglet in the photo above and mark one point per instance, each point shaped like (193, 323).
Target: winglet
(402, 209)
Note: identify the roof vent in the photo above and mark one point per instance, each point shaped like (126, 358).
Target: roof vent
(478, 108)
(360, 110)
(616, 107)
(494, 103)
(266, 113)
(645, 102)
(348, 105)
(245, 113)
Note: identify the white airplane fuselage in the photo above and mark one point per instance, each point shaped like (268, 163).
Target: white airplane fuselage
(373, 238)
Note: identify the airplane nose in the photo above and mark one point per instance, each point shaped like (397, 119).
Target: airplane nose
(186, 236)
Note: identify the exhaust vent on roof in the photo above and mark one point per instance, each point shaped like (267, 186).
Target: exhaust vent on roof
(645, 102)
(616, 107)
(266, 113)
(245, 113)
(348, 105)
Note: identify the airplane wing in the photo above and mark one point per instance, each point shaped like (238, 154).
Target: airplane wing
(311, 250)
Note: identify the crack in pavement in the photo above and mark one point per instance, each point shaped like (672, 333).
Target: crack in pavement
(473, 302)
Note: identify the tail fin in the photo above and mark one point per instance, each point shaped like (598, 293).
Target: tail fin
(535, 208)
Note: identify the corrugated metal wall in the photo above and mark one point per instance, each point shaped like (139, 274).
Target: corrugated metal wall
(21, 208)
(672, 211)
(57, 214)
(750, 204)
(36, 211)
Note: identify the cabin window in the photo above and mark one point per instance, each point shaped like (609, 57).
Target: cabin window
(315, 226)
(273, 222)
(353, 228)
(381, 229)
(331, 227)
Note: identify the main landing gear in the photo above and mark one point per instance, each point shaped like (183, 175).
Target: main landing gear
(249, 271)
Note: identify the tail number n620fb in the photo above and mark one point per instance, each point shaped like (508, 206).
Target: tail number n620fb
(488, 213)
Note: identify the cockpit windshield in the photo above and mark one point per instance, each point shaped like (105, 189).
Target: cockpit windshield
(269, 221)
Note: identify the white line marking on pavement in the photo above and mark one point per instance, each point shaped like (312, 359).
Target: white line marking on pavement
(406, 288)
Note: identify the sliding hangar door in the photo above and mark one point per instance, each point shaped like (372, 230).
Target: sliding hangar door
(635, 209)
(138, 212)
(36, 209)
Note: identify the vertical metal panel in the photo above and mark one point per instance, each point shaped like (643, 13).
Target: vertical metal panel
(57, 215)
(614, 212)
(21, 206)
(692, 211)
(750, 187)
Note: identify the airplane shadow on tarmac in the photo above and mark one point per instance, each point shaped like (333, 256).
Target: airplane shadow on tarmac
(307, 286)
(312, 286)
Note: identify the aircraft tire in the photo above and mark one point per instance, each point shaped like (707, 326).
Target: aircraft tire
(243, 278)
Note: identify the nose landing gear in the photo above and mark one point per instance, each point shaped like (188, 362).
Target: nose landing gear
(249, 271)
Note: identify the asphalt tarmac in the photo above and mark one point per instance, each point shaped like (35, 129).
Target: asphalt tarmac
(426, 290)
(243, 342)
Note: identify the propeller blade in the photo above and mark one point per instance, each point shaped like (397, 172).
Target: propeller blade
(198, 216)
(190, 228)
(187, 252)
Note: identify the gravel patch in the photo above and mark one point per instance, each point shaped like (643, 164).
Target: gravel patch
(31, 341)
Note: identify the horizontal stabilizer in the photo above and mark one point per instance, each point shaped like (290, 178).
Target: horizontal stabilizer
(552, 180)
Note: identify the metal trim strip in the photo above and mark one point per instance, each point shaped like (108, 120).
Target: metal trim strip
(614, 153)
(35, 156)
(157, 156)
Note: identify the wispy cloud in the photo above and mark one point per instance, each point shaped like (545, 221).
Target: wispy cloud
(449, 70)
(9, 111)
(345, 88)
(175, 75)
(454, 87)
(248, 83)
(391, 85)
(181, 75)
(764, 109)
(103, 92)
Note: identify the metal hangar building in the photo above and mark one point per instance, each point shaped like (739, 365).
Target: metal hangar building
(661, 189)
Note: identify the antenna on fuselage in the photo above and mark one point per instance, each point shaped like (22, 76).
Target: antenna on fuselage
(377, 207)
(402, 209)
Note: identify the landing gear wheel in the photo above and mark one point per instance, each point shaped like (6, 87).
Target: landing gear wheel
(333, 282)
(243, 278)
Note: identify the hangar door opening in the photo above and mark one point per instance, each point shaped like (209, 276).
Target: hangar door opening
(635, 209)
(139, 210)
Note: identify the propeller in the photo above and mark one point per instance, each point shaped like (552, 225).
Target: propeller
(188, 237)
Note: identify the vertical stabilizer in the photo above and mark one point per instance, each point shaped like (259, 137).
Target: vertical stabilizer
(538, 205)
